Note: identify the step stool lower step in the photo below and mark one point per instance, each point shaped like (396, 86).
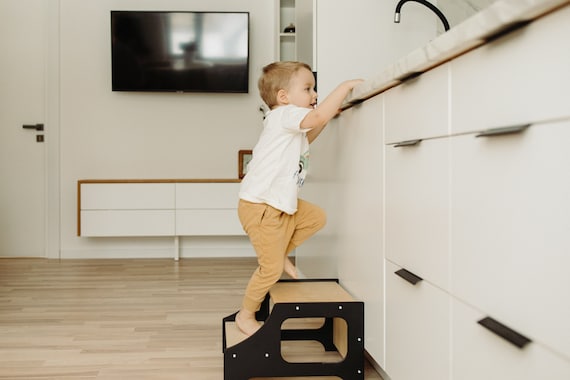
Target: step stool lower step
(235, 336)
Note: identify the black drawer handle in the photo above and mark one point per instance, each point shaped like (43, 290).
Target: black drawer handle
(410, 75)
(503, 130)
(504, 332)
(408, 276)
(407, 143)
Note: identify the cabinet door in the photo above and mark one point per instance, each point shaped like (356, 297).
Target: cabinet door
(480, 354)
(304, 32)
(521, 77)
(127, 196)
(207, 195)
(417, 208)
(418, 108)
(202, 222)
(360, 224)
(511, 222)
(417, 329)
(100, 223)
(127, 209)
(207, 209)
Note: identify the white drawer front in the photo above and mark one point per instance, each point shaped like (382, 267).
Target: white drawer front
(417, 329)
(127, 196)
(418, 108)
(207, 195)
(481, 354)
(511, 222)
(417, 208)
(127, 223)
(208, 222)
(519, 78)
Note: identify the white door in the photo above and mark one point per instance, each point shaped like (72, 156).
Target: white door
(22, 102)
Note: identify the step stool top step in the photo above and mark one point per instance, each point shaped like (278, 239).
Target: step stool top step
(309, 291)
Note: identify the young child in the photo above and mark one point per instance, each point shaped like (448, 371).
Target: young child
(270, 213)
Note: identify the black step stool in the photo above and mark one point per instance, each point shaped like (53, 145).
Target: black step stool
(294, 301)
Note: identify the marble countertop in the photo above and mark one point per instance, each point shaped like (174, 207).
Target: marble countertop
(498, 18)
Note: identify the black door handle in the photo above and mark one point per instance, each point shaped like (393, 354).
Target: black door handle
(504, 332)
(37, 127)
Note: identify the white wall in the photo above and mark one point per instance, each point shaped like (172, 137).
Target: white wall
(458, 11)
(106, 135)
(358, 39)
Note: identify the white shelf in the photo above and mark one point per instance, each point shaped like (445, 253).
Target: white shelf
(297, 46)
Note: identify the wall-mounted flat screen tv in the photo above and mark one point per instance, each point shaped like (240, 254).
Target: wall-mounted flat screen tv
(180, 51)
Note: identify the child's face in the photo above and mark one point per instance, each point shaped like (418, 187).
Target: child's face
(301, 91)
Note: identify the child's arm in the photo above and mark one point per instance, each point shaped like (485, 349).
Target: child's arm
(318, 118)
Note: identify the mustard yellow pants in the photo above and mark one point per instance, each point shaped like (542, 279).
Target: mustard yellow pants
(274, 234)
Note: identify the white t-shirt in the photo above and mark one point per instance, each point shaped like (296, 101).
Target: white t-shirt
(280, 160)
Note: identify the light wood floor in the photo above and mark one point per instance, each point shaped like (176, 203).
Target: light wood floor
(118, 319)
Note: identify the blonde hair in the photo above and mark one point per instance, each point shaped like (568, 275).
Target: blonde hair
(275, 77)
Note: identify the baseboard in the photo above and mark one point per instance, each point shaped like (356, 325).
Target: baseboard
(211, 252)
(112, 253)
(154, 253)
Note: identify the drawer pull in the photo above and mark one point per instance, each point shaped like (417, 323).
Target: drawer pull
(503, 130)
(504, 332)
(409, 76)
(407, 143)
(408, 276)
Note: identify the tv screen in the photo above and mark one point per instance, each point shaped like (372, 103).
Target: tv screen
(180, 51)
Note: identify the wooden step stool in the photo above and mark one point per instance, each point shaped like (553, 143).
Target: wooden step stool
(298, 302)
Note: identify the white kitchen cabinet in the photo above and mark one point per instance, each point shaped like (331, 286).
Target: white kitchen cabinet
(511, 221)
(417, 208)
(418, 108)
(417, 329)
(360, 221)
(346, 164)
(519, 78)
(481, 354)
(483, 220)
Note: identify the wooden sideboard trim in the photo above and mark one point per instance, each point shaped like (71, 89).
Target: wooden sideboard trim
(192, 180)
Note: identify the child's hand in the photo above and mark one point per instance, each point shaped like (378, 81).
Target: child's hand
(353, 83)
(329, 108)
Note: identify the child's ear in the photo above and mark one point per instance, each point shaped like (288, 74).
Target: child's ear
(282, 97)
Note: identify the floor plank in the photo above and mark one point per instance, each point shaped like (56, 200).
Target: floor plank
(118, 319)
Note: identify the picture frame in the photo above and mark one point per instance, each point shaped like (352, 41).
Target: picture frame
(244, 156)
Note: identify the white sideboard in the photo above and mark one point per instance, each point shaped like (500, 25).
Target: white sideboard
(121, 208)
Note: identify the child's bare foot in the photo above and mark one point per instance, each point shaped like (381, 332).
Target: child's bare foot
(290, 269)
(246, 322)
